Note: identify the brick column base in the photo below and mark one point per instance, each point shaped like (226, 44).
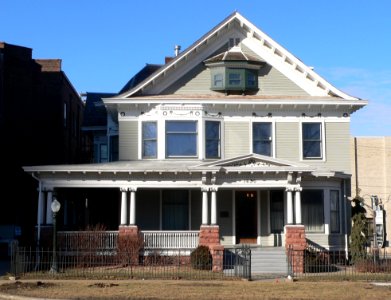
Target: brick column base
(130, 242)
(210, 236)
(295, 245)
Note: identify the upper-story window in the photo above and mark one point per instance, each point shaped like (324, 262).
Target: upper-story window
(312, 140)
(181, 138)
(233, 70)
(218, 80)
(149, 136)
(212, 139)
(262, 138)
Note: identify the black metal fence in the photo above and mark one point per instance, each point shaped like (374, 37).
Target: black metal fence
(167, 264)
(339, 264)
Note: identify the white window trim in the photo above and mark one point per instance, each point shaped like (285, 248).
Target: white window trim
(273, 124)
(140, 138)
(323, 141)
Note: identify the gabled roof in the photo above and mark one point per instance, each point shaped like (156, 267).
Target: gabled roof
(255, 162)
(140, 76)
(264, 46)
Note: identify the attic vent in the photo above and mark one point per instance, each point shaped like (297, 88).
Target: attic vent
(234, 42)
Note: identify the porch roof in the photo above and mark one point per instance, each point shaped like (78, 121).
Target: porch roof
(252, 163)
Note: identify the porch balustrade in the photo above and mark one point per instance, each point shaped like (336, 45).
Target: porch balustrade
(107, 240)
(88, 240)
(170, 239)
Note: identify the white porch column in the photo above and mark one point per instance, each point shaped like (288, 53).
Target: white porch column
(132, 210)
(213, 208)
(41, 199)
(49, 213)
(289, 206)
(298, 205)
(204, 205)
(124, 204)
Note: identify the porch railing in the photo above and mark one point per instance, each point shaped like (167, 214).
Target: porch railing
(107, 240)
(84, 240)
(170, 239)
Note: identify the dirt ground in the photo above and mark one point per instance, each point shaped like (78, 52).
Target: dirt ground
(178, 289)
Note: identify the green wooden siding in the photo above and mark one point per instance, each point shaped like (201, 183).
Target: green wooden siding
(237, 135)
(337, 146)
(128, 137)
(287, 141)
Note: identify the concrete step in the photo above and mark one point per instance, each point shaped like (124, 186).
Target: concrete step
(268, 260)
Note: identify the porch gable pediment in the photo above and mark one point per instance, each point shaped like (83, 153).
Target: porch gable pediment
(253, 161)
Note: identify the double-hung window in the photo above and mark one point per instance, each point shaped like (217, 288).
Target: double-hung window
(149, 133)
(262, 138)
(334, 211)
(181, 138)
(312, 140)
(312, 208)
(212, 139)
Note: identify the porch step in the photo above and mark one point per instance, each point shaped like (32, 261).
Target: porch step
(269, 260)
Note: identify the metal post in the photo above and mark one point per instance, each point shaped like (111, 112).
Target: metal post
(54, 268)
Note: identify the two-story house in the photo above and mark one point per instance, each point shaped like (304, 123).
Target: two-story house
(235, 140)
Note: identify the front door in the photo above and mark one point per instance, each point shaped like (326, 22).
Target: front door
(246, 217)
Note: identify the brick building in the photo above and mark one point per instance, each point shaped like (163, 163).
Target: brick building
(40, 118)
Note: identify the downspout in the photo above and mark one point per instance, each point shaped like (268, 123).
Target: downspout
(356, 166)
(346, 220)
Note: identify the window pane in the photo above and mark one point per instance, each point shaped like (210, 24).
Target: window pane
(181, 138)
(149, 132)
(149, 148)
(251, 79)
(334, 211)
(234, 79)
(218, 80)
(311, 149)
(262, 138)
(212, 139)
(312, 140)
(181, 126)
(311, 131)
(312, 210)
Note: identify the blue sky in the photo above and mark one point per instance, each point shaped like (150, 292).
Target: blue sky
(104, 43)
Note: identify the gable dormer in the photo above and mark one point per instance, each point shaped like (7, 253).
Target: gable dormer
(234, 71)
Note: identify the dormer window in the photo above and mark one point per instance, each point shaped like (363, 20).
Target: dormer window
(234, 71)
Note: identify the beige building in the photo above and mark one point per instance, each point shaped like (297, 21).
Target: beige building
(371, 174)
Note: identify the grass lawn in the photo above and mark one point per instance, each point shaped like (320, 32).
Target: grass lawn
(187, 289)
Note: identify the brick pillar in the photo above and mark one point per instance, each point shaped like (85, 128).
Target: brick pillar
(296, 242)
(210, 236)
(130, 243)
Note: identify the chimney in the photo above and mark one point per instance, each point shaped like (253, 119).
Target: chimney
(177, 49)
